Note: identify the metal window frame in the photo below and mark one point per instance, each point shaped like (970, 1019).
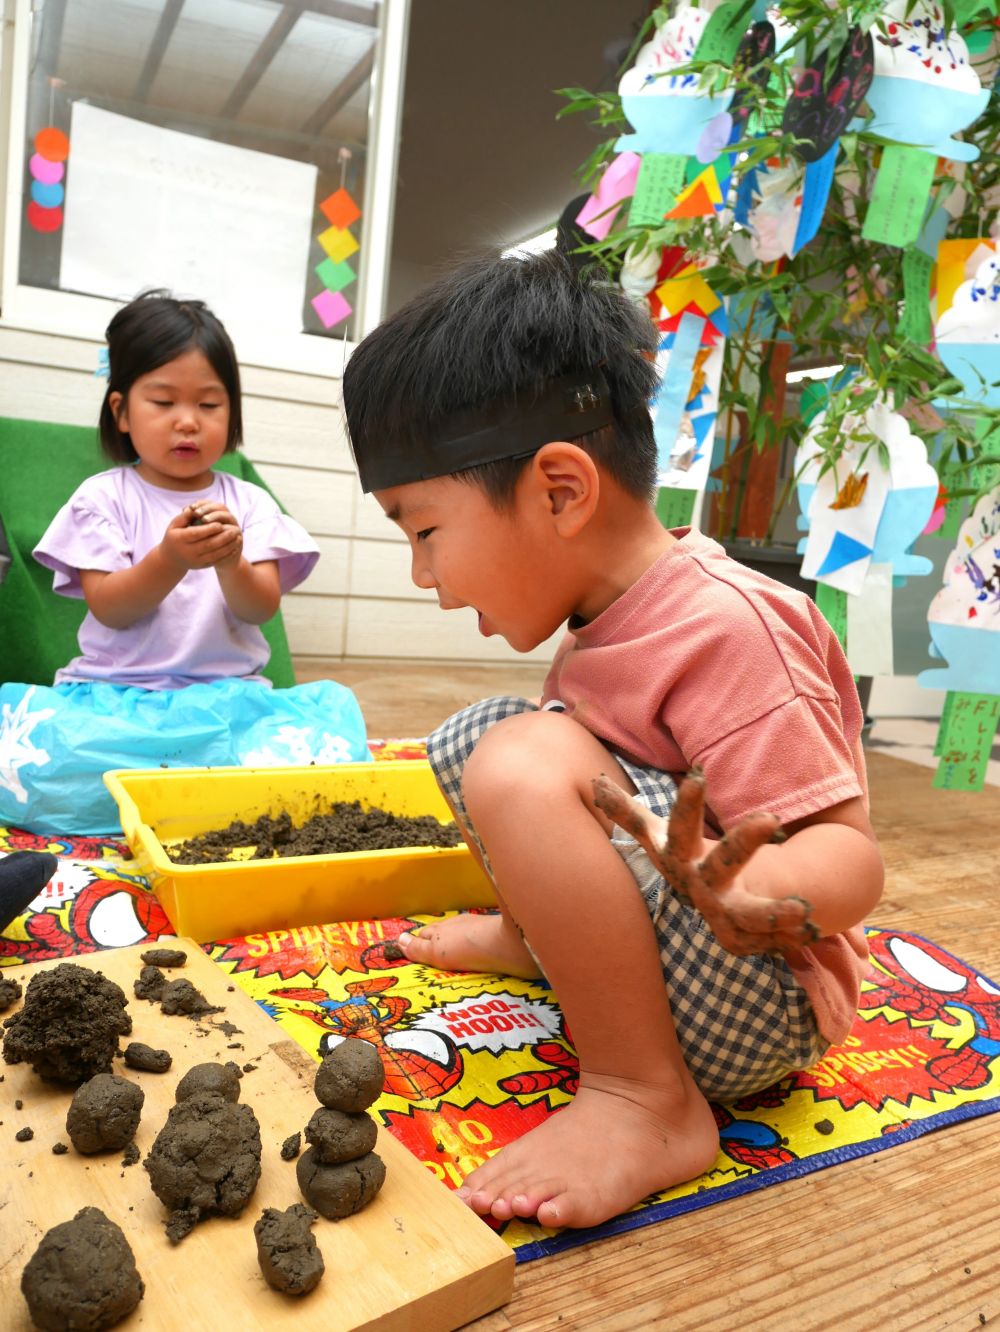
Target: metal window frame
(68, 314)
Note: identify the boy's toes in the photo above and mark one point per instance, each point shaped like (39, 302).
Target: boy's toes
(554, 1213)
(480, 1200)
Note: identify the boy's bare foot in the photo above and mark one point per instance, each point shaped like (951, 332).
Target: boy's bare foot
(471, 943)
(648, 1141)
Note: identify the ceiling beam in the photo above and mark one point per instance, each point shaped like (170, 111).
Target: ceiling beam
(157, 48)
(346, 89)
(261, 138)
(364, 15)
(265, 53)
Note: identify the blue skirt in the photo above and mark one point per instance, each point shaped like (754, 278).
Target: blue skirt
(56, 743)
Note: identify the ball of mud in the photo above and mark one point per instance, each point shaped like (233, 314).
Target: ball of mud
(164, 957)
(104, 1114)
(10, 992)
(69, 1025)
(205, 1160)
(287, 1251)
(146, 1059)
(210, 1080)
(337, 1136)
(339, 1190)
(180, 996)
(82, 1275)
(150, 984)
(351, 1076)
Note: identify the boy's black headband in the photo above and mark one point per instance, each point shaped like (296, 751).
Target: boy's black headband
(565, 408)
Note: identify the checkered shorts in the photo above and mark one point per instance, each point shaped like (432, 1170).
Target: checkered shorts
(742, 1022)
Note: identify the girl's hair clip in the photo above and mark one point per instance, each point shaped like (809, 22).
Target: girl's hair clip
(103, 370)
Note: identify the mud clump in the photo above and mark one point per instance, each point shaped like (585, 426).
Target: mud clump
(69, 1025)
(350, 1077)
(164, 957)
(82, 1275)
(10, 992)
(287, 1251)
(345, 826)
(337, 1136)
(205, 1160)
(291, 1147)
(150, 985)
(180, 996)
(337, 1191)
(146, 1059)
(104, 1114)
(210, 1080)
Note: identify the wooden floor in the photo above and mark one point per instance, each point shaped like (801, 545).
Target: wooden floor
(904, 1240)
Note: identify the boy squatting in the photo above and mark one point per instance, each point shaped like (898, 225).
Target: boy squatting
(501, 420)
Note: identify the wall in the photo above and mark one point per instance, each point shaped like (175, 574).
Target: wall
(359, 601)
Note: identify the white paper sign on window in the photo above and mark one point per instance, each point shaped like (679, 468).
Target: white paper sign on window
(151, 207)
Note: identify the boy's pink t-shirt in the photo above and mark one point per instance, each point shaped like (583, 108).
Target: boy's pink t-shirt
(704, 661)
(112, 521)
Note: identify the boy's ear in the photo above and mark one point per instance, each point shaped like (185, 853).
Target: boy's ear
(568, 480)
(116, 401)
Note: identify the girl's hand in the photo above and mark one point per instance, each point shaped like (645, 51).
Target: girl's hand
(708, 873)
(203, 536)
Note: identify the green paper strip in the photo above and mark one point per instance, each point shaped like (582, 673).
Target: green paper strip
(832, 603)
(916, 321)
(674, 506)
(724, 32)
(942, 735)
(334, 276)
(972, 724)
(899, 201)
(660, 180)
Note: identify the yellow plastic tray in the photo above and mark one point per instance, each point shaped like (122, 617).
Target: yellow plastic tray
(223, 901)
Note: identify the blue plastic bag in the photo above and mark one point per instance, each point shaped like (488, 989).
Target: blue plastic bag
(56, 743)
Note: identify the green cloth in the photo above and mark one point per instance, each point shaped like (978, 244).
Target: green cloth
(41, 465)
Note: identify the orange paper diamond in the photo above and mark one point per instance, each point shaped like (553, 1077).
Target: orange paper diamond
(340, 208)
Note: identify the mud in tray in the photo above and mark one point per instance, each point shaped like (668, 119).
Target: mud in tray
(165, 806)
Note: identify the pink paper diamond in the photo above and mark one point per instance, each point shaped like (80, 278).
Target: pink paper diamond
(331, 307)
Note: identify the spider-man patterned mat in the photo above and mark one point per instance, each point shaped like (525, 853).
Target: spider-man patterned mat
(473, 1062)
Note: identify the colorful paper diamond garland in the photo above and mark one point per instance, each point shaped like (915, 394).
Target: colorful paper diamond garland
(335, 273)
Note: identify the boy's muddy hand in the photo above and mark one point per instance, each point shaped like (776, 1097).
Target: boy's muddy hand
(742, 922)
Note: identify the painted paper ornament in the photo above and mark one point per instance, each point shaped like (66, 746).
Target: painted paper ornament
(771, 198)
(859, 512)
(964, 615)
(967, 332)
(668, 112)
(750, 62)
(821, 106)
(925, 88)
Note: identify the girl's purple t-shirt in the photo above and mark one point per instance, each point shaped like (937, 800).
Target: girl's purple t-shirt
(114, 520)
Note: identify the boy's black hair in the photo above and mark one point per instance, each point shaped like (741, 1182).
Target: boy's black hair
(492, 344)
(147, 333)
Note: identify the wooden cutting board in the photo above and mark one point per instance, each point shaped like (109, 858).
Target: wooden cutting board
(415, 1258)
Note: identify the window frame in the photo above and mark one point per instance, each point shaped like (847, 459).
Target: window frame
(70, 314)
